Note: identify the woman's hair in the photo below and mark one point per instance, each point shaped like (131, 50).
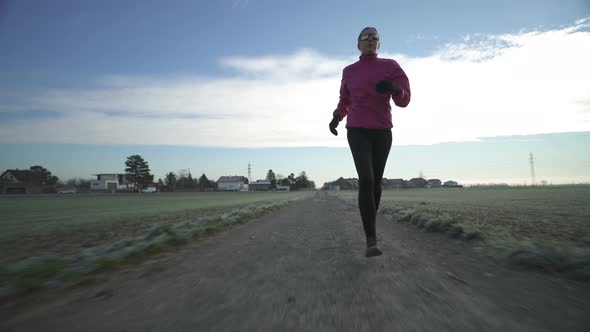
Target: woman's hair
(361, 33)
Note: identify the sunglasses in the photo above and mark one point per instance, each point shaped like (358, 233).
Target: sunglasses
(370, 36)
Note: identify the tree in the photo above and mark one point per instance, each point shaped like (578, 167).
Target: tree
(84, 183)
(288, 181)
(190, 182)
(46, 177)
(204, 183)
(212, 185)
(272, 178)
(170, 181)
(72, 183)
(78, 183)
(301, 181)
(291, 179)
(138, 171)
(181, 179)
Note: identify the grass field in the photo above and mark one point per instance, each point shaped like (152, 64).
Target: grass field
(54, 240)
(546, 227)
(62, 224)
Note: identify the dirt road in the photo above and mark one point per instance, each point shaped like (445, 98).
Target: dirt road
(303, 269)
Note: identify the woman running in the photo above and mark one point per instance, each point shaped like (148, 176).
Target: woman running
(365, 90)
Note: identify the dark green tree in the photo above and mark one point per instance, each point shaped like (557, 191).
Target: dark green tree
(170, 181)
(288, 181)
(190, 182)
(71, 183)
(272, 178)
(138, 172)
(181, 179)
(46, 177)
(78, 183)
(204, 183)
(84, 184)
(301, 181)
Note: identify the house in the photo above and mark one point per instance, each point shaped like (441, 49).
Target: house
(341, 184)
(232, 183)
(344, 184)
(283, 188)
(354, 182)
(434, 183)
(451, 184)
(330, 186)
(110, 182)
(14, 181)
(260, 185)
(418, 183)
(392, 183)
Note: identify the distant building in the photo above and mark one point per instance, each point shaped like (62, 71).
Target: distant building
(434, 183)
(110, 182)
(232, 183)
(343, 184)
(354, 182)
(398, 183)
(14, 181)
(392, 183)
(417, 183)
(283, 188)
(260, 185)
(451, 184)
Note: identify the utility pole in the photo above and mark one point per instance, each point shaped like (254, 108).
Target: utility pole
(532, 161)
(249, 173)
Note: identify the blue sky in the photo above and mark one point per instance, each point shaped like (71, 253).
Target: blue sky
(212, 85)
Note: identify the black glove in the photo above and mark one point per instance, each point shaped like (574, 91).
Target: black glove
(386, 86)
(334, 123)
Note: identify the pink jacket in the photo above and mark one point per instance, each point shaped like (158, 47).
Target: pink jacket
(365, 107)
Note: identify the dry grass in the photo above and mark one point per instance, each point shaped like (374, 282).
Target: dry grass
(38, 272)
(63, 225)
(543, 228)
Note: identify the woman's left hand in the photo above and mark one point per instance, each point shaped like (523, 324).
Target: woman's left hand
(386, 86)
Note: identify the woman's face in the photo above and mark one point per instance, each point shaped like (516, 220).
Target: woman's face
(368, 42)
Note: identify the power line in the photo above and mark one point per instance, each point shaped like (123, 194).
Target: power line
(532, 162)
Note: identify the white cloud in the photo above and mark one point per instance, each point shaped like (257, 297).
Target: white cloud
(489, 85)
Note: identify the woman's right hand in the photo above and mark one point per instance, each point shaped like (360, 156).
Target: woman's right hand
(334, 123)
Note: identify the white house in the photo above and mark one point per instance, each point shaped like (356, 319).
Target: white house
(260, 185)
(450, 184)
(111, 181)
(283, 188)
(232, 183)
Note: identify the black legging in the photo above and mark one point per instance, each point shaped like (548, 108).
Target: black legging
(370, 148)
